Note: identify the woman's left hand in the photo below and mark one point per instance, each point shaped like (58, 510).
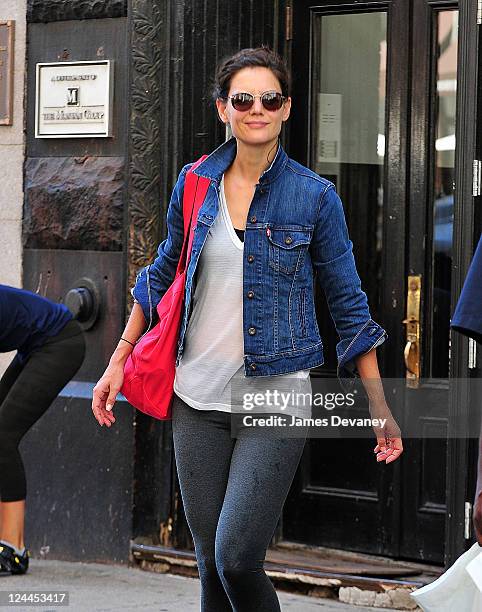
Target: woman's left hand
(389, 442)
(388, 449)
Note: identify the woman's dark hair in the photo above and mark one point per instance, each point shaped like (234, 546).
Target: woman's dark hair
(260, 56)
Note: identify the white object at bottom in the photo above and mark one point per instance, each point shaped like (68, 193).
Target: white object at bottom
(458, 589)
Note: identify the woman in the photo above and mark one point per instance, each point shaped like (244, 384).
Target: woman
(50, 349)
(251, 317)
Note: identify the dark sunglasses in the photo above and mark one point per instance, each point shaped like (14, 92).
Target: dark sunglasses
(271, 100)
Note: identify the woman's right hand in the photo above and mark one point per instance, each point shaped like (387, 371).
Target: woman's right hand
(105, 393)
(106, 390)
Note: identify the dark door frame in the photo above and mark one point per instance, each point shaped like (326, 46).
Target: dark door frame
(171, 146)
(459, 484)
(174, 48)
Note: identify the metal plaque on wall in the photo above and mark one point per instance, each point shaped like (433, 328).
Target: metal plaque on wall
(7, 29)
(74, 99)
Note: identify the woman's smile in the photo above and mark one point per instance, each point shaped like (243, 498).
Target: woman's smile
(256, 124)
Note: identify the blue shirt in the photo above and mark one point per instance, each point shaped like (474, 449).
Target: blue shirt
(27, 319)
(467, 317)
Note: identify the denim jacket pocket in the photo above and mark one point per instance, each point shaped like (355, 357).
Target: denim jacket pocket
(287, 247)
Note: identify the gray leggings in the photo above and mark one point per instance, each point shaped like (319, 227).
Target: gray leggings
(233, 491)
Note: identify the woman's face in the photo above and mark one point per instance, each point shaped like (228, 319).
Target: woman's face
(256, 125)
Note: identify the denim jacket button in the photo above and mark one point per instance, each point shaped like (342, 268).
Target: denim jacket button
(253, 366)
(288, 240)
(250, 294)
(251, 331)
(372, 331)
(253, 219)
(250, 258)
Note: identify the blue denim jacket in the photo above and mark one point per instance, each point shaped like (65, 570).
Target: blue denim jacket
(295, 227)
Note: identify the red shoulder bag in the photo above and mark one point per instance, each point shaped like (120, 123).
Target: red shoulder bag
(151, 367)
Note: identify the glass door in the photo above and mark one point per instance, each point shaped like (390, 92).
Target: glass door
(431, 216)
(341, 113)
(374, 111)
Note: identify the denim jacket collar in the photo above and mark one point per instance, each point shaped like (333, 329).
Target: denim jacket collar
(214, 166)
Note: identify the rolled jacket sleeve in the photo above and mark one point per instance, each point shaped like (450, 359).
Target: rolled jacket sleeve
(153, 280)
(332, 256)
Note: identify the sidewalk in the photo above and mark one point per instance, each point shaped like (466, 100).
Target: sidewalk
(95, 587)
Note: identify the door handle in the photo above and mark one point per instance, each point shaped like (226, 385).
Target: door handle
(411, 352)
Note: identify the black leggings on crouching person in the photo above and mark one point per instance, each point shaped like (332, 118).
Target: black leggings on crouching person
(26, 392)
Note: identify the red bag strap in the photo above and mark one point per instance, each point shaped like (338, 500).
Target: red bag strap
(195, 190)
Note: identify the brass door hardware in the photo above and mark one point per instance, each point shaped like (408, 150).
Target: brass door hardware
(411, 352)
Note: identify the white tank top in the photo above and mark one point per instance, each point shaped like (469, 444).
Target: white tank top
(210, 374)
